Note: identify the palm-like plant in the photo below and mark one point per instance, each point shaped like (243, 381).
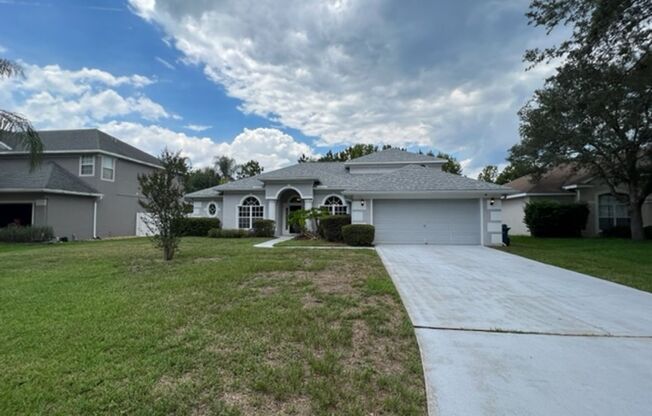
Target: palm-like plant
(227, 167)
(15, 123)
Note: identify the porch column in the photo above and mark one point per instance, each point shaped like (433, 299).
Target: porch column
(307, 204)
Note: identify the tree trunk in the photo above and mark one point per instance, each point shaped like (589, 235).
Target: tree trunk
(168, 253)
(636, 221)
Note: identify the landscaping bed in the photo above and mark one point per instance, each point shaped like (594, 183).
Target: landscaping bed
(107, 327)
(621, 261)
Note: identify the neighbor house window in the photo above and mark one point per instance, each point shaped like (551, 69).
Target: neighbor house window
(108, 168)
(87, 165)
(249, 211)
(335, 205)
(212, 209)
(612, 212)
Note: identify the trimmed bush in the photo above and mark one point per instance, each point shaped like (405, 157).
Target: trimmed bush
(264, 228)
(228, 233)
(196, 227)
(358, 234)
(330, 227)
(554, 219)
(26, 234)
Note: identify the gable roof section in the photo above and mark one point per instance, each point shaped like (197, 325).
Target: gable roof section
(552, 182)
(391, 156)
(415, 179)
(48, 177)
(83, 140)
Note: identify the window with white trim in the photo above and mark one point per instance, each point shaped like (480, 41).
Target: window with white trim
(211, 209)
(335, 205)
(87, 165)
(249, 211)
(108, 168)
(612, 212)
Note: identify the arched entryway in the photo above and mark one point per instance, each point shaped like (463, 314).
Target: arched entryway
(288, 202)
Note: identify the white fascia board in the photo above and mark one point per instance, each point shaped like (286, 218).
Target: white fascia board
(428, 195)
(87, 151)
(49, 191)
(524, 194)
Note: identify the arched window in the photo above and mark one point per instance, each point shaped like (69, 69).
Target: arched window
(612, 212)
(249, 210)
(335, 205)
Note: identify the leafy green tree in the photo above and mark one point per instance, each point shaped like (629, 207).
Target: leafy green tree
(595, 112)
(201, 179)
(451, 165)
(16, 124)
(226, 167)
(163, 192)
(513, 171)
(489, 174)
(251, 168)
(304, 159)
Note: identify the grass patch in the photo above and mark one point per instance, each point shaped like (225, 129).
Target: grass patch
(622, 261)
(310, 243)
(107, 327)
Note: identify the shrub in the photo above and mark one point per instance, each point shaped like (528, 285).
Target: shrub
(620, 231)
(30, 234)
(647, 231)
(330, 227)
(197, 227)
(264, 228)
(228, 233)
(358, 234)
(554, 219)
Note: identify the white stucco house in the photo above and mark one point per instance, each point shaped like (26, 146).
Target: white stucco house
(406, 196)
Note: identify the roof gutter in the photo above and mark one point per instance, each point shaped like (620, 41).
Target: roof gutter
(49, 191)
(429, 194)
(524, 194)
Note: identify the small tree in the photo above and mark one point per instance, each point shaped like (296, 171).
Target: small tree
(249, 169)
(163, 192)
(489, 174)
(451, 165)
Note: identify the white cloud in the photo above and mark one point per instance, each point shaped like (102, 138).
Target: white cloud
(197, 127)
(439, 74)
(271, 147)
(164, 63)
(3, 49)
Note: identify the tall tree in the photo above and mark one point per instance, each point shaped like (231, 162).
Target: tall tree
(251, 168)
(14, 123)
(451, 165)
(596, 111)
(163, 192)
(304, 158)
(513, 171)
(201, 179)
(226, 167)
(489, 174)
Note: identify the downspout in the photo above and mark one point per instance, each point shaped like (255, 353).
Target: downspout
(95, 218)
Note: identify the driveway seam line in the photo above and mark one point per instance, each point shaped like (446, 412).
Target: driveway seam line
(514, 332)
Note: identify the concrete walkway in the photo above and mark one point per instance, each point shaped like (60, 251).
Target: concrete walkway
(503, 335)
(271, 243)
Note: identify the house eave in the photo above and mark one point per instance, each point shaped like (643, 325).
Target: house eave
(443, 194)
(525, 194)
(49, 191)
(84, 151)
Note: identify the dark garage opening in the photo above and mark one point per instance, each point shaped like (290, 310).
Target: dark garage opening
(19, 214)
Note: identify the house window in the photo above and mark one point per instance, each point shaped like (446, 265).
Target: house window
(249, 211)
(335, 205)
(108, 168)
(212, 209)
(87, 165)
(612, 212)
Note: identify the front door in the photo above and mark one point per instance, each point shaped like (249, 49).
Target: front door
(294, 204)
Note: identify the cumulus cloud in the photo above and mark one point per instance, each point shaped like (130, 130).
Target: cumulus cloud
(197, 127)
(441, 74)
(271, 147)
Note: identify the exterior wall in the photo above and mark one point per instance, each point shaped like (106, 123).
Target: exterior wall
(200, 207)
(304, 188)
(491, 221)
(71, 216)
(590, 196)
(514, 211)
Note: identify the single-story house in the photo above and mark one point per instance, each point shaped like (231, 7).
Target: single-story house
(86, 185)
(406, 196)
(566, 184)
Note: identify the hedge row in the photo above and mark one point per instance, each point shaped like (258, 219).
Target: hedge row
(195, 227)
(29, 234)
(554, 219)
(228, 233)
(264, 228)
(330, 227)
(358, 234)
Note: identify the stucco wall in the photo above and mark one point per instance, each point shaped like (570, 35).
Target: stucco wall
(590, 196)
(70, 216)
(230, 202)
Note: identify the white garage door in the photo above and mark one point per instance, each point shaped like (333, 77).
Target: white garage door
(427, 221)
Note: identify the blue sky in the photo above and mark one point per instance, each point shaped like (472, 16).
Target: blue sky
(270, 81)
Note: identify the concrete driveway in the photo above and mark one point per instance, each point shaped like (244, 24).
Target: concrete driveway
(503, 335)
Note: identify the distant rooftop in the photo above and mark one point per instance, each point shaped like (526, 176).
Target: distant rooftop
(551, 182)
(394, 156)
(78, 140)
(47, 177)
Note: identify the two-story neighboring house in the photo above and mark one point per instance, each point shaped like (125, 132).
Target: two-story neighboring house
(86, 185)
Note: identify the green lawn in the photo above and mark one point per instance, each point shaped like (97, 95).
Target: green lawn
(309, 243)
(107, 327)
(622, 261)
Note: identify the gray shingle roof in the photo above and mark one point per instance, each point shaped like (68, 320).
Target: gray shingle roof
(394, 156)
(47, 176)
(80, 140)
(415, 178)
(551, 182)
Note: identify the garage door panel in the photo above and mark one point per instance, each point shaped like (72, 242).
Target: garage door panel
(427, 221)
